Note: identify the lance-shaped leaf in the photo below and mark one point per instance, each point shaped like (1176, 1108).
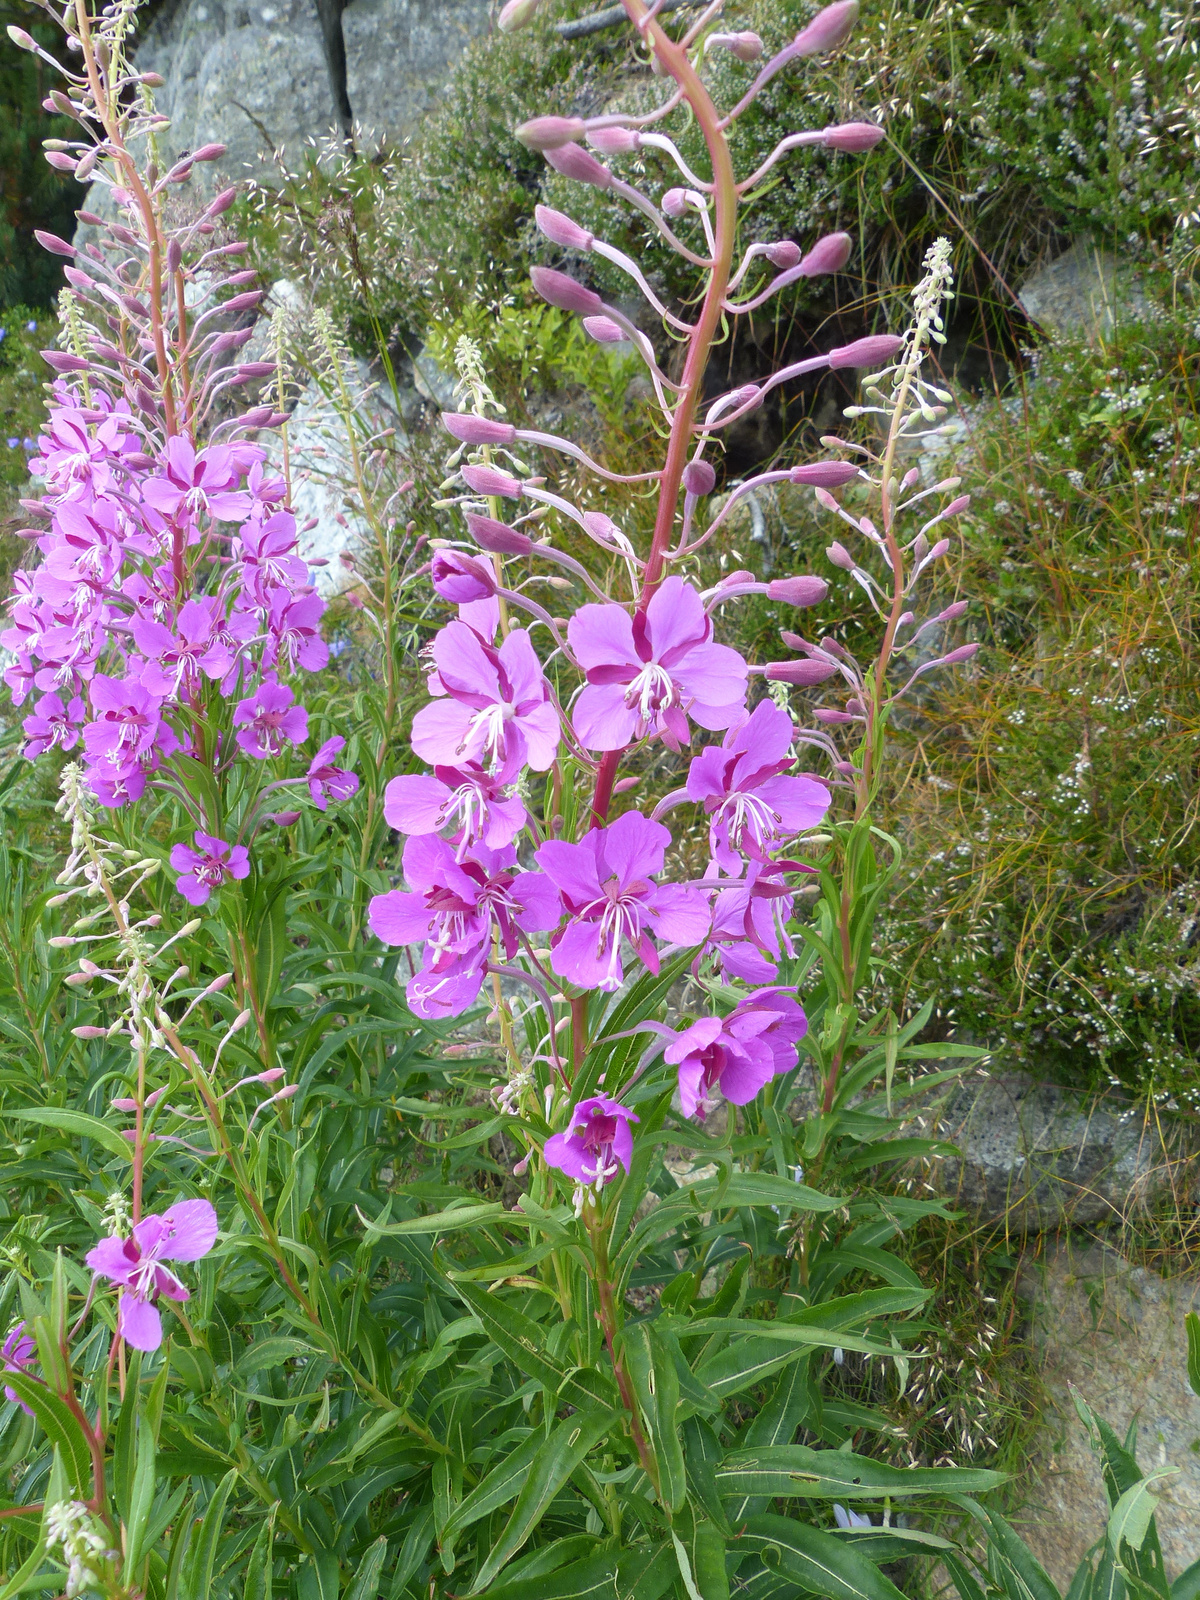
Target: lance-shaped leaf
(798, 1472)
(815, 1561)
(524, 1341)
(651, 1368)
(60, 1424)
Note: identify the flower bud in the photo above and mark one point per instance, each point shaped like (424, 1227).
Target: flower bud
(699, 477)
(461, 578)
(963, 653)
(209, 152)
(798, 591)
(604, 330)
(829, 254)
(174, 256)
(557, 289)
(22, 40)
(826, 30)
(745, 46)
(614, 141)
(497, 537)
(623, 785)
(939, 550)
(516, 14)
(803, 673)
(255, 369)
(854, 137)
(60, 162)
(560, 230)
(489, 481)
(841, 557)
(868, 352)
(953, 612)
(80, 280)
(471, 429)
(549, 133)
(785, 254)
(284, 819)
(824, 474)
(91, 1033)
(674, 202)
(51, 242)
(221, 203)
(955, 506)
(573, 161)
(823, 715)
(271, 1075)
(153, 80)
(62, 361)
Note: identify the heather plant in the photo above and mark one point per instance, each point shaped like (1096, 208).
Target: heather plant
(308, 1305)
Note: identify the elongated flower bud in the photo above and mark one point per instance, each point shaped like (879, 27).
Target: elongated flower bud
(51, 242)
(824, 474)
(854, 137)
(516, 14)
(745, 46)
(548, 133)
(798, 591)
(60, 162)
(62, 361)
(222, 202)
(22, 40)
(963, 653)
(827, 29)
(209, 152)
(471, 429)
(489, 480)
(953, 612)
(560, 230)
(868, 352)
(699, 477)
(785, 254)
(802, 673)
(497, 537)
(604, 330)
(557, 289)
(841, 557)
(614, 141)
(829, 254)
(573, 161)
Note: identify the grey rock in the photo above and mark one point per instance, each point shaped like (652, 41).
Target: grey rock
(1036, 1157)
(1115, 1332)
(399, 54)
(1085, 290)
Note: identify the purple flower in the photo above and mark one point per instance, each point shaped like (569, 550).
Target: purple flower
(17, 1354)
(179, 657)
(293, 632)
(197, 483)
(327, 782)
(597, 1141)
(207, 866)
(647, 674)
(53, 724)
(607, 885)
(265, 552)
(740, 784)
(495, 705)
(184, 1232)
(735, 1056)
(451, 909)
(473, 803)
(461, 578)
(268, 720)
(750, 920)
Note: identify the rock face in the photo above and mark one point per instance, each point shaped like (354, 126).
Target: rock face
(256, 77)
(1036, 1157)
(1085, 290)
(1115, 1333)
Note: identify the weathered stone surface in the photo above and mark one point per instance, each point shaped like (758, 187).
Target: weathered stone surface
(1036, 1157)
(399, 54)
(1085, 290)
(1115, 1333)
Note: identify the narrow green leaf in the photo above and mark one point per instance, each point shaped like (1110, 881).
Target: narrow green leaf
(799, 1472)
(817, 1562)
(61, 1427)
(197, 1575)
(763, 1189)
(366, 1579)
(81, 1126)
(260, 1569)
(655, 1381)
(524, 1341)
(141, 1500)
(1192, 1324)
(500, 1486)
(1187, 1584)
(451, 1221)
(1133, 1513)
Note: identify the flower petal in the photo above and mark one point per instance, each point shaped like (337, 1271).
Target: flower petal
(138, 1323)
(189, 1231)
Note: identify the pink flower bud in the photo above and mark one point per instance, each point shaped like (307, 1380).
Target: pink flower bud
(255, 369)
(51, 242)
(785, 254)
(93, 1033)
(829, 254)
(955, 506)
(209, 152)
(739, 577)
(699, 477)
(623, 785)
(675, 202)
(573, 161)
(60, 162)
(174, 256)
(614, 141)
(745, 46)
(62, 361)
(826, 30)
(284, 819)
(516, 14)
(824, 474)
(841, 557)
(287, 1093)
(497, 537)
(557, 289)
(489, 481)
(549, 133)
(604, 330)
(798, 591)
(460, 578)
(953, 612)
(560, 230)
(939, 550)
(222, 203)
(854, 137)
(803, 673)
(271, 1075)
(471, 429)
(22, 40)
(963, 653)
(868, 352)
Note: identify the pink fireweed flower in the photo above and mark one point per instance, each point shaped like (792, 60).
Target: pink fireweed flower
(17, 1354)
(647, 674)
(268, 720)
(596, 1143)
(192, 483)
(608, 888)
(451, 909)
(53, 723)
(184, 1232)
(494, 705)
(742, 786)
(178, 656)
(735, 1056)
(207, 866)
(293, 632)
(749, 928)
(327, 782)
(266, 558)
(472, 803)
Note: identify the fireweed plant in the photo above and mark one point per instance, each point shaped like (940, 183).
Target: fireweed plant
(599, 1387)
